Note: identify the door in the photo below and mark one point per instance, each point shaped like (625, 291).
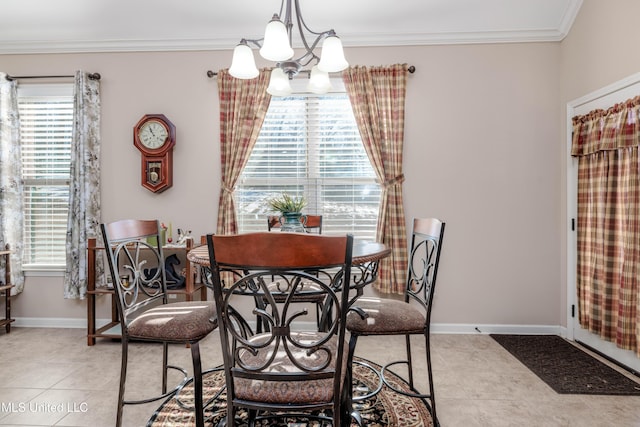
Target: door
(600, 99)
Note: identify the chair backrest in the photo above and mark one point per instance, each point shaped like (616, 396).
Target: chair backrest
(311, 223)
(136, 263)
(424, 258)
(293, 349)
(273, 221)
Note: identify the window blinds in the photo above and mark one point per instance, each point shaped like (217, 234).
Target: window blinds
(46, 126)
(310, 145)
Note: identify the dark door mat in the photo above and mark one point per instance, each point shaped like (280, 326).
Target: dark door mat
(566, 368)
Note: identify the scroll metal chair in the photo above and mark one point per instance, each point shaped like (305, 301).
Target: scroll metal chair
(137, 268)
(293, 366)
(311, 223)
(383, 316)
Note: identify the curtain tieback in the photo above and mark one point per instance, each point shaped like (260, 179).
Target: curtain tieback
(393, 181)
(228, 189)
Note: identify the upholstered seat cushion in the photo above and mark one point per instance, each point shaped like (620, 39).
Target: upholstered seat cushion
(285, 390)
(385, 317)
(175, 322)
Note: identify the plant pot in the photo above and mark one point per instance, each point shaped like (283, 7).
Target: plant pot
(292, 222)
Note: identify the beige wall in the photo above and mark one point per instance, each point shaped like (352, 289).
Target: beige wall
(601, 48)
(481, 152)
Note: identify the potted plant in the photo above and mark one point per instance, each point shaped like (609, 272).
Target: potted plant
(291, 209)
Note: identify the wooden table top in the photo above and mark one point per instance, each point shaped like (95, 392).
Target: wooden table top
(364, 251)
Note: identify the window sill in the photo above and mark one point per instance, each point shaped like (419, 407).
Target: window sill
(44, 271)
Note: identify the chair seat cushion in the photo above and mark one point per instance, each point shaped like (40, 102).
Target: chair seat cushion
(175, 322)
(385, 317)
(288, 391)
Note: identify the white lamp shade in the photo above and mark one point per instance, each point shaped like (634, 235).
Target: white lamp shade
(279, 83)
(319, 81)
(243, 65)
(332, 58)
(276, 45)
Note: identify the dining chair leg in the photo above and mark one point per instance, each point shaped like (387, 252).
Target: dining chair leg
(409, 364)
(123, 376)
(165, 362)
(252, 417)
(346, 406)
(197, 384)
(432, 398)
(353, 340)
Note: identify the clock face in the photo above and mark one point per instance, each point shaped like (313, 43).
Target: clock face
(153, 134)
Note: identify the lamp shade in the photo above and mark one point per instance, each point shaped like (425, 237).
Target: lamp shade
(332, 58)
(243, 65)
(318, 81)
(279, 83)
(276, 46)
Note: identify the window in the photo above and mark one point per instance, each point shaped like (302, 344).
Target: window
(46, 124)
(310, 145)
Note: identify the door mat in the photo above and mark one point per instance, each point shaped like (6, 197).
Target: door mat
(566, 368)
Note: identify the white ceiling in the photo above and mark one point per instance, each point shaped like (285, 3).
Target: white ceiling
(35, 26)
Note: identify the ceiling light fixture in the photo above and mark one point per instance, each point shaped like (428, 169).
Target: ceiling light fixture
(276, 46)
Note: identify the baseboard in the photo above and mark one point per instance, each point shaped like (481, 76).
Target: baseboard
(436, 328)
(461, 328)
(49, 322)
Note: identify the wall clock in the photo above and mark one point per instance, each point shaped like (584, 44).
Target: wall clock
(155, 136)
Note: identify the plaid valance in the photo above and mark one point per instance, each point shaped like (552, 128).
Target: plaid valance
(610, 129)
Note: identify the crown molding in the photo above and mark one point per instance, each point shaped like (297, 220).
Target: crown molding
(349, 40)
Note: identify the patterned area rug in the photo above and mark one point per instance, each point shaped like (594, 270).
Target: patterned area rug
(566, 368)
(385, 409)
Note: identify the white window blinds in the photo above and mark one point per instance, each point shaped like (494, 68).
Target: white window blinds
(310, 145)
(46, 125)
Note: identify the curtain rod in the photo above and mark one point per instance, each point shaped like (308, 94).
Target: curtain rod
(211, 74)
(92, 76)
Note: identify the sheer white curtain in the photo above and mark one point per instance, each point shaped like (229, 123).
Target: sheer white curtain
(84, 192)
(11, 205)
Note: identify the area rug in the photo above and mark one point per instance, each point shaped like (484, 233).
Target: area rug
(566, 368)
(385, 409)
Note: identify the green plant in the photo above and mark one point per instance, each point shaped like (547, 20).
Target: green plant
(287, 203)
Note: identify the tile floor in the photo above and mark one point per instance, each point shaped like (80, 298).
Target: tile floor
(50, 377)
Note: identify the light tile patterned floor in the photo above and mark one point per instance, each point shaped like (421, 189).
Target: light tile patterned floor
(50, 377)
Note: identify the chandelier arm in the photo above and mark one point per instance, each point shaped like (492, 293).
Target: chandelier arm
(321, 36)
(282, 7)
(287, 21)
(302, 24)
(303, 61)
(255, 42)
(310, 49)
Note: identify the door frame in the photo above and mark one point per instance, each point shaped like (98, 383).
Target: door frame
(603, 98)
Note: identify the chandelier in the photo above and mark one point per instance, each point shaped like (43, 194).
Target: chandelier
(276, 46)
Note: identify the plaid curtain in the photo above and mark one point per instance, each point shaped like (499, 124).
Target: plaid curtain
(243, 107)
(608, 265)
(377, 97)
